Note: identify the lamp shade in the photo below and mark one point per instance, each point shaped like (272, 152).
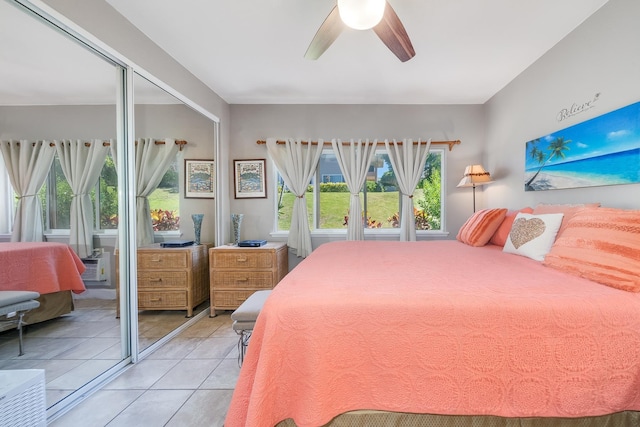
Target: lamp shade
(475, 175)
(361, 14)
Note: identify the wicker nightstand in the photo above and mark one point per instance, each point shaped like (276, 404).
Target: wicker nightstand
(171, 278)
(237, 272)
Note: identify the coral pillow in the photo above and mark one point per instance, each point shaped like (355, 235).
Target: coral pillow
(532, 235)
(500, 236)
(480, 227)
(602, 245)
(568, 210)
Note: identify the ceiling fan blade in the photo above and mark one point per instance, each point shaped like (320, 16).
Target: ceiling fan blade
(392, 33)
(326, 35)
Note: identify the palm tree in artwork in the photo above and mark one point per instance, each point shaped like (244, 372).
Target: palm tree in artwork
(556, 148)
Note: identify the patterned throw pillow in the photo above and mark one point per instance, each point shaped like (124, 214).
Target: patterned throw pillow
(533, 235)
(602, 245)
(480, 227)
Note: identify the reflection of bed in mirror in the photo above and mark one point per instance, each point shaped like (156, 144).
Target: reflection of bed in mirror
(51, 269)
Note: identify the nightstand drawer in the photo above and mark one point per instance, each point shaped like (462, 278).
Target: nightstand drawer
(165, 300)
(242, 259)
(230, 299)
(156, 260)
(243, 279)
(162, 279)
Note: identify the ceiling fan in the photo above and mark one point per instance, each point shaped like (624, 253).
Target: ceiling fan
(363, 15)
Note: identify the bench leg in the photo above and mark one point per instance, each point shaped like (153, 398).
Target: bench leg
(243, 342)
(20, 323)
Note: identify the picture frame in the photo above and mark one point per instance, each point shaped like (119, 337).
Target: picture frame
(600, 151)
(250, 179)
(199, 179)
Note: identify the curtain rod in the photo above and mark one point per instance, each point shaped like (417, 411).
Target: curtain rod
(108, 143)
(449, 143)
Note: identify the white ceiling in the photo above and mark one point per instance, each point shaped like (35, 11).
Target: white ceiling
(252, 51)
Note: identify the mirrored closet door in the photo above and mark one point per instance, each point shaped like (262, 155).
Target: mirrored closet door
(173, 282)
(54, 89)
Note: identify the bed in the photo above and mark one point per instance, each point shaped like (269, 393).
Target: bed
(51, 269)
(439, 332)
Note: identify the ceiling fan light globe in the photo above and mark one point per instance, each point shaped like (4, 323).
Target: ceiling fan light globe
(361, 14)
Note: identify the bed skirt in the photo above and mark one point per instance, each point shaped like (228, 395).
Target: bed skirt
(51, 306)
(379, 418)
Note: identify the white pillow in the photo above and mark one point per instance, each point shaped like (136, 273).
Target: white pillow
(533, 235)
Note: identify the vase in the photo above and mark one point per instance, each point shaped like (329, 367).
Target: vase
(236, 224)
(197, 226)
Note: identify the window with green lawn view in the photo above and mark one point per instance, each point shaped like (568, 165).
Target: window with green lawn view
(56, 197)
(328, 196)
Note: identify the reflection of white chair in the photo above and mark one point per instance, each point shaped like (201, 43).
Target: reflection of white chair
(17, 303)
(244, 319)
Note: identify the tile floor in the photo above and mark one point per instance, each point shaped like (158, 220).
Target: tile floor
(187, 382)
(198, 365)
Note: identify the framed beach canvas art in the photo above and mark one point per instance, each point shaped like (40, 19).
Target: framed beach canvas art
(249, 176)
(604, 150)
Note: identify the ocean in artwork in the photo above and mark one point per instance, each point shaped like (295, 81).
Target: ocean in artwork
(608, 169)
(601, 151)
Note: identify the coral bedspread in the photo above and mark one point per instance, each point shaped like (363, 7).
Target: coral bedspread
(43, 267)
(441, 328)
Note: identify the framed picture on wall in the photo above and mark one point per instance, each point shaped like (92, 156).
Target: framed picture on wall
(600, 151)
(199, 179)
(250, 179)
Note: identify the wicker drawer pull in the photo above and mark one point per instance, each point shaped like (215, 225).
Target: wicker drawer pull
(155, 299)
(159, 279)
(242, 279)
(241, 259)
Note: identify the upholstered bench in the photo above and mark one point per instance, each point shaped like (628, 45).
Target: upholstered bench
(244, 319)
(16, 304)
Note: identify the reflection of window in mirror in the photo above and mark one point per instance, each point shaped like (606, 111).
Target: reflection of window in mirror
(164, 201)
(56, 195)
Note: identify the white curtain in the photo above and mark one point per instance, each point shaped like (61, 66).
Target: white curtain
(6, 201)
(407, 160)
(81, 164)
(152, 162)
(354, 160)
(28, 165)
(297, 162)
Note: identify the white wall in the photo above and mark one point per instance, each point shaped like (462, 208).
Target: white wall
(601, 56)
(439, 122)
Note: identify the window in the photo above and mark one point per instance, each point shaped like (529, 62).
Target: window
(56, 197)
(107, 197)
(165, 201)
(328, 196)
